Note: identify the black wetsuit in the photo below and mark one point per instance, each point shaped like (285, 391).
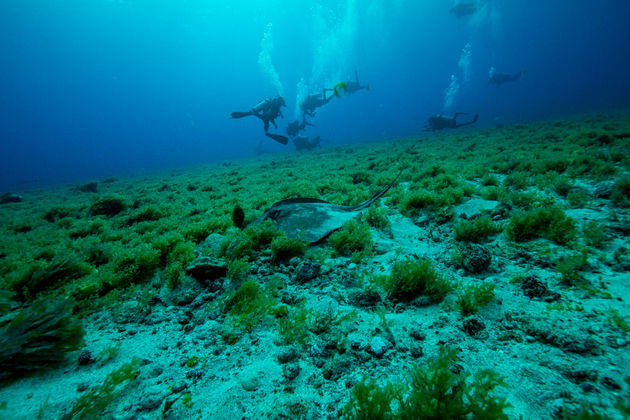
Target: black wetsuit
(500, 78)
(267, 110)
(440, 122)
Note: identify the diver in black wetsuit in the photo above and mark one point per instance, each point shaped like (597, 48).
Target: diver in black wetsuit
(303, 143)
(500, 78)
(294, 128)
(463, 8)
(314, 101)
(440, 122)
(267, 110)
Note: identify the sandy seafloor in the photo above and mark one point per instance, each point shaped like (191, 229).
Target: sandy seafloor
(563, 346)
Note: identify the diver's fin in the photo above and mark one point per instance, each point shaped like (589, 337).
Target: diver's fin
(241, 114)
(278, 137)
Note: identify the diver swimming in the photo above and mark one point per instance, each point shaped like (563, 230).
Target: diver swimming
(463, 8)
(304, 143)
(354, 85)
(267, 110)
(294, 128)
(440, 122)
(501, 78)
(349, 87)
(314, 101)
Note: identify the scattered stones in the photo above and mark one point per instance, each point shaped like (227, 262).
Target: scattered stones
(194, 374)
(337, 366)
(378, 346)
(474, 208)
(213, 243)
(91, 187)
(83, 386)
(572, 340)
(250, 383)
(533, 288)
(108, 206)
(475, 258)
(604, 190)
(152, 399)
(207, 270)
(288, 355)
(416, 351)
(472, 326)
(290, 371)
(417, 334)
(86, 358)
(610, 383)
(9, 197)
(306, 271)
(581, 375)
(363, 298)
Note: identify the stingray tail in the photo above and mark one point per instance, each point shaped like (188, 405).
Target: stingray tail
(376, 196)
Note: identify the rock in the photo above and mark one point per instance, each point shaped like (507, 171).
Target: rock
(86, 358)
(194, 374)
(9, 197)
(472, 326)
(288, 355)
(83, 386)
(337, 366)
(207, 270)
(416, 351)
(89, 187)
(152, 399)
(610, 383)
(534, 288)
(307, 271)
(213, 243)
(108, 206)
(291, 371)
(250, 383)
(364, 298)
(378, 346)
(604, 190)
(572, 340)
(475, 258)
(417, 334)
(474, 208)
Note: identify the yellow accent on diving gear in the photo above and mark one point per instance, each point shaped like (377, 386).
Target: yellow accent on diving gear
(340, 86)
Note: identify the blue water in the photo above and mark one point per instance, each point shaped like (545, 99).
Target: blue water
(105, 87)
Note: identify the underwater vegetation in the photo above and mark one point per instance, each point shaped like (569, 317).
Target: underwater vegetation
(560, 195)
(432, 391)
(93, 402)
(477, 230)
(36, 336)
(412, 278)
(547, 222)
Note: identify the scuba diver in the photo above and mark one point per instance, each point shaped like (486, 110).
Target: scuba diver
(354, 85)
(294, 128)
(440, 122)
(312, 102)
(463, 8)
(349, 87)
(303, 143)
(267, 110)
(500, 78)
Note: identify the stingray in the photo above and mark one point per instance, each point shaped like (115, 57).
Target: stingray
(312, 219)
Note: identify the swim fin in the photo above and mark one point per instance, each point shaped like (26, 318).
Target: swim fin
(277, 137)
(241, 114)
